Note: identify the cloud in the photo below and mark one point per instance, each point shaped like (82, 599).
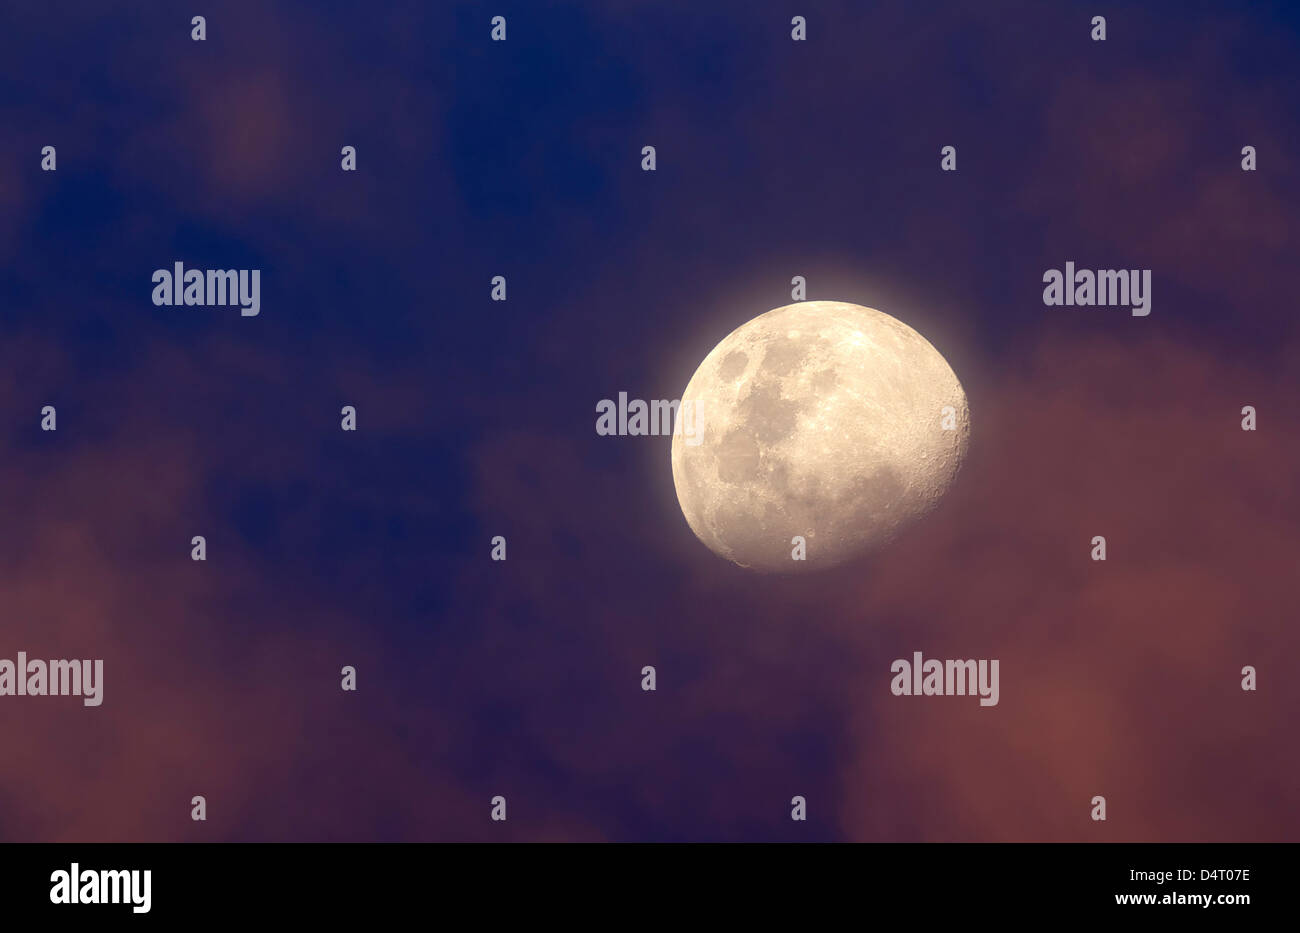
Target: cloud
(1119, 678)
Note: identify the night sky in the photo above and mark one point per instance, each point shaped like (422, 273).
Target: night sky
(476, 418)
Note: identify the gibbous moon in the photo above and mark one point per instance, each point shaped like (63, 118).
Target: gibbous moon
(821, 419)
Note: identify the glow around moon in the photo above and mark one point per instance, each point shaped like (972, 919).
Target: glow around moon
(821, 419)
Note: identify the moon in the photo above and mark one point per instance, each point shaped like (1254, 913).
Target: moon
(823, 420)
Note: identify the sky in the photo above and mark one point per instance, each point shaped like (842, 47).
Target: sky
(476, 418)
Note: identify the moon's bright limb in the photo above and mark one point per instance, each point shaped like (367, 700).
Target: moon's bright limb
(821, 419)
